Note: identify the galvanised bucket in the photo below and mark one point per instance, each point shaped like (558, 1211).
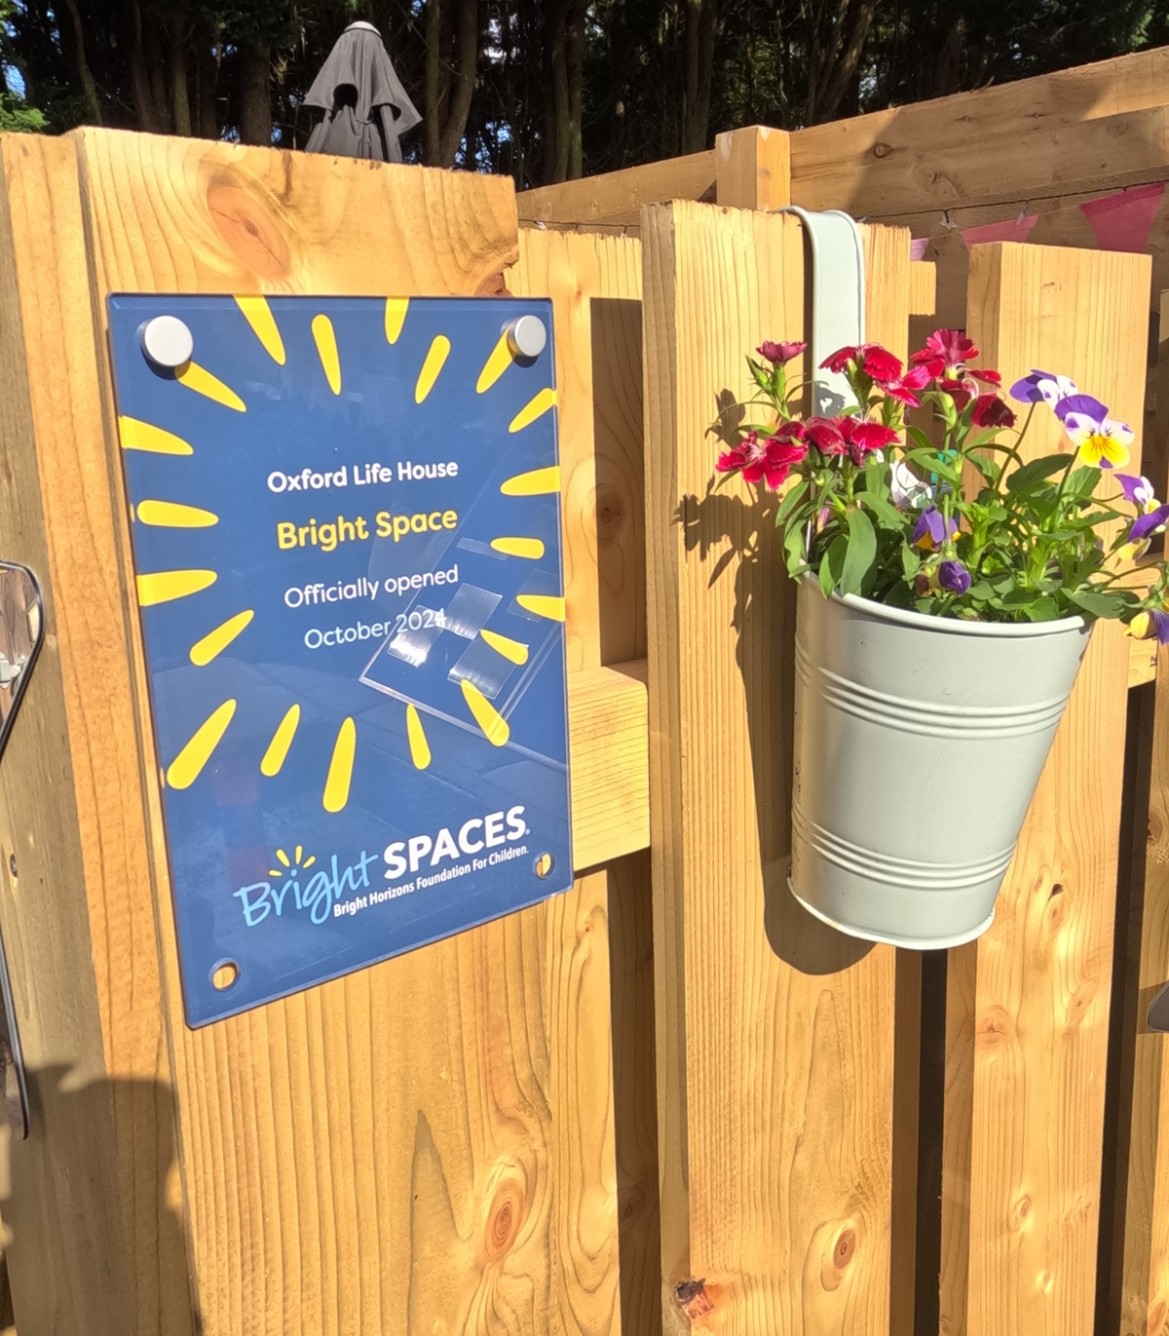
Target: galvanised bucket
(918, 745)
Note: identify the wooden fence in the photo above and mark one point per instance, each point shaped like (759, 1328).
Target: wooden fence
(668, 1100)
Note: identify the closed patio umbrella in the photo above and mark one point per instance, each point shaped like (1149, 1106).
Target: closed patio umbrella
(366, 108)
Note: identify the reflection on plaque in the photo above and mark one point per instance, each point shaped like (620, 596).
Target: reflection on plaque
(346, 532)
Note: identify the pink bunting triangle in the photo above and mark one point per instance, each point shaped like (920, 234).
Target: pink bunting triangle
(1122, 222)
(1014, 229)
(918, 247)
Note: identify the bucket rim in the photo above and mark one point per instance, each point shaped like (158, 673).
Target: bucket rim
(951, 625)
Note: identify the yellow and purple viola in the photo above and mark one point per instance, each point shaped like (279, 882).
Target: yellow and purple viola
(1101, 441)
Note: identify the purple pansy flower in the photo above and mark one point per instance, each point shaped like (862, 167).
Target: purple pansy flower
(1147, 524)
(933, 529)
(1138, 492)
(952, 575)
(1043, 387)
(1102, 441)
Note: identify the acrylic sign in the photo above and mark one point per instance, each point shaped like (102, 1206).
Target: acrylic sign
(345, 518)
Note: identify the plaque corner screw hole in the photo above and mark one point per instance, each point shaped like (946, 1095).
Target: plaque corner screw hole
(224, 975)
(543, 865)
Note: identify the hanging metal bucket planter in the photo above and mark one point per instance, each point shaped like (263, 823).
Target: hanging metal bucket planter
(919, 742)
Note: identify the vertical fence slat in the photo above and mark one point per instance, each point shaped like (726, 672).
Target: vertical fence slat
(1136, 1272)
(1027, 1022)
(774, 1032)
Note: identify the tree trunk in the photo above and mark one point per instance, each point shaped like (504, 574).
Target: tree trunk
(84, 73)
(208, 80)
(701, 27)
(574, 63)
(255, 91)
(180, 100)
(433, 109)
(150, 116)
(557, 133)
(846, 59)
(463, 89)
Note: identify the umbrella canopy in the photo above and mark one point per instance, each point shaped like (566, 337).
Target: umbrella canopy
(366, 108)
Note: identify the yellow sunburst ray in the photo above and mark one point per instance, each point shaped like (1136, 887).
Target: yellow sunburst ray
(172, 515)
(419, 747)
(258, 314)
(275, 872)
(538, 482)
(396, 308)
(439, 351)
(535, 408)
(532, 548)
(510, 649)
(165, 586)
(277, 752)
(189, 763)
(542, 605)
(217, 640)
(340, 775)
(199, 379)
(283, 857)
(136, 435)
(497, 363)
(325, 337)
(299, 852)
(493, 724)
(310, 860)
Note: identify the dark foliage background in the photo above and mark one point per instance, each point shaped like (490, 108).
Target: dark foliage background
(543, 90)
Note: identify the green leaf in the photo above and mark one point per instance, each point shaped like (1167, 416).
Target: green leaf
(885, 511)
(910, 561)
(860, 551)
(1038, 469)
(987, 467)
(791, 499)
(793, 547)
(1097, 604)
(832, 564)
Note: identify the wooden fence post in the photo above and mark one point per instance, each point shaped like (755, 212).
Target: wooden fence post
(1135, 1273)
(753, 168)
(1028, 1003)
(775, 1033)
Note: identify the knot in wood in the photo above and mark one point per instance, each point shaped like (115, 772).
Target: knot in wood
(246, 219)
(610, 515)
(504, 1218)
(881, 150)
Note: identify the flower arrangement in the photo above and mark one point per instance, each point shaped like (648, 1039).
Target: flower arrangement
(954, 524)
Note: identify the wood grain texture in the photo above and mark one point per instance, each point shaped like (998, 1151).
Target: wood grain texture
(1027, 1005)
(608, 728)
(431, 1144)
(91, 1200)
(774, 1033)
(1079, 129)
(595, 286)
(616, 197)
(753, 168)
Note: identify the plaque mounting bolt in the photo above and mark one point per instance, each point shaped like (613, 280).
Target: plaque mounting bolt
(527, 336)
(167, 343)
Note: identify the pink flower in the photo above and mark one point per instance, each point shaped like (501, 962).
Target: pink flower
(950, 346)
(771, 461)
(990, 411)
(958, 390)
(839, 360)
(880, 364)
(987, 377)
(825, 435)
(778, 354)
(730, 461)
(905, 389)
(863, 438)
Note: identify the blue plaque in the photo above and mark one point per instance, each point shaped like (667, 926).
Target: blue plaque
(345, 517)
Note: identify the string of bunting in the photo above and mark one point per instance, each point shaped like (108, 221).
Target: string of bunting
(1122, 221)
